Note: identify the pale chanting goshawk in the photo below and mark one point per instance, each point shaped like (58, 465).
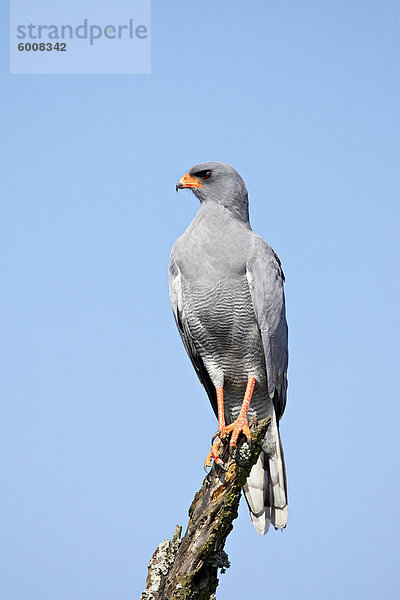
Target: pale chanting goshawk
(226, 289)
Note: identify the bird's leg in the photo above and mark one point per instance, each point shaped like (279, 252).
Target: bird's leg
(241, 424)
(221, 409)
(214, 453)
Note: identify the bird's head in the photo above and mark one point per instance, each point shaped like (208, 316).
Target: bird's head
(218, 182)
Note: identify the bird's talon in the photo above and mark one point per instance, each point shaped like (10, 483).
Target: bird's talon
(216, 435)
(214, 452)
(207, 462)
(220, 463)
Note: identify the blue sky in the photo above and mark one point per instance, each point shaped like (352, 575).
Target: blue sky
(104, 426)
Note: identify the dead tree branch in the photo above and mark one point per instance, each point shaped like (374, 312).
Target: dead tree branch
(186, 569)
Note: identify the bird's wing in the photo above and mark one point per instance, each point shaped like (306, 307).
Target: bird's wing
(266, 279)
(178, 308)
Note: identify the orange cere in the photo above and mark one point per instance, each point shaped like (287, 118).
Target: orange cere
(189, 181)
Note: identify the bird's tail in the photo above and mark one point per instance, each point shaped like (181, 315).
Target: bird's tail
(265, 489)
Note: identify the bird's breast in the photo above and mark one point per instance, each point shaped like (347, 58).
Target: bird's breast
(222, 324)
(214, 246)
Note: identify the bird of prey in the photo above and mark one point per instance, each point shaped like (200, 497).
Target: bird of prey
(226, 290)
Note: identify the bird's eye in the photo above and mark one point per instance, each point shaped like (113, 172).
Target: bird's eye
(204, 174)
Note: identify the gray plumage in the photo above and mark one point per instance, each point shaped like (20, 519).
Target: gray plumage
(226, 289)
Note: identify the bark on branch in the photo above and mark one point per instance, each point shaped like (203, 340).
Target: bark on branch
(186, 569)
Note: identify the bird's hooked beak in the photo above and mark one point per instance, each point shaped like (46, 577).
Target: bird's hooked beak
(188, 181)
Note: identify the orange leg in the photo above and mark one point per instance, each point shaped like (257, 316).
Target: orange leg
(241, 424)
(214, 454)
(221, 410)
